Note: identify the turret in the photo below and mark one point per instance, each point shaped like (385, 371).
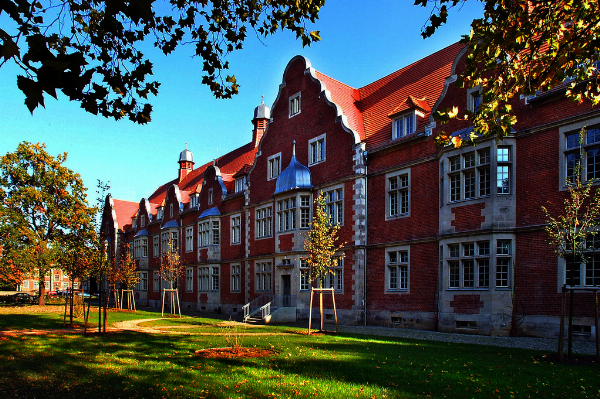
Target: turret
(186, 163)
(262, 114)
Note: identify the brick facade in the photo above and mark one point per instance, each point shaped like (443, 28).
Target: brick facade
(434, 238)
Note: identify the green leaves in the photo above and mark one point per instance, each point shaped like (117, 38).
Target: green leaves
(320, 242)
(78, 47)
(523, 48)
(43, 207)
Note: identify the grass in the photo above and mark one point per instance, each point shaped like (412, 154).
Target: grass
(131, 364)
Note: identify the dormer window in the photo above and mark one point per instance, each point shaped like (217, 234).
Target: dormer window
(134, 223)
(160, 212)
(294, 105)
(404, 125)
(239, 184)
(143, 221)
(210, 196)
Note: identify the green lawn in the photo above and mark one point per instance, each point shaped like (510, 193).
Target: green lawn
(130, 364)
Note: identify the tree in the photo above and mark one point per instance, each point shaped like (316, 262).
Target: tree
(171, 269)
(320, 243)
(569, 233)
(91, 50)
(523, 48)
(128, 275)
(41, 202)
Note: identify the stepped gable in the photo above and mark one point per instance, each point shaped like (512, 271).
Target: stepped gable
(229, 164)
(124, 211)
(423, 78)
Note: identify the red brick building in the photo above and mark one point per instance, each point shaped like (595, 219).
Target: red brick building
(434, 238)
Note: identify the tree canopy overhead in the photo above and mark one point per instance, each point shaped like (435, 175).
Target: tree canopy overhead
(90, 49)
(523, 48)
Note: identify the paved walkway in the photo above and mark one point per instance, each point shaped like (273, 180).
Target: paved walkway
(543, 344)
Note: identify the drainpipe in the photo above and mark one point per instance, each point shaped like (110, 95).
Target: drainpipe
(366, 241)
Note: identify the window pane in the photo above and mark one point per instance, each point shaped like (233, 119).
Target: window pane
(503, 154)
(468, 273)
(502, 266)
(593, 164)
(503, 180)
(484, 273)
(484, 181)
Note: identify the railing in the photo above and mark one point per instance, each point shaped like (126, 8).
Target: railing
(256, 304)
(267, 304)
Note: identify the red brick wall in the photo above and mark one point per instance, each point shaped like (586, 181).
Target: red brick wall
(468, 217)
(466, 304)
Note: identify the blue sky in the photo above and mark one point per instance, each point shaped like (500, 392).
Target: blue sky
(362, 41)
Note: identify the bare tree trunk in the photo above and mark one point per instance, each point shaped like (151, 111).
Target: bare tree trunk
(42, 290)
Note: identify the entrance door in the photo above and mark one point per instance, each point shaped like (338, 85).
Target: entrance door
(286, 282)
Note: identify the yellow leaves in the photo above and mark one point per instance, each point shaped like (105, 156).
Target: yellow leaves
(456, 141)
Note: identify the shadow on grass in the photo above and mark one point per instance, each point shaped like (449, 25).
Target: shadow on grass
(127, 364)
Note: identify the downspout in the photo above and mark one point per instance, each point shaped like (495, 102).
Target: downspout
(366, 241)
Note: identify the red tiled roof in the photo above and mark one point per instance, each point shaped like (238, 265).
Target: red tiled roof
(410, 103)
(346, 97)
(229, 164)
(244, 171)
(423, 78)
(124, 210)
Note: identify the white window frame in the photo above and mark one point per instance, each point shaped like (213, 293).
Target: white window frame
(399, 125)
(189, 279)
(263, 273)
(143, 221)
(209, 232)
(160, 212)
(587, 274)
(573, 147)
(504, 159)
(236, 277)
(489, 266)
(264, 222)
(272, 171)
(295, 105)
(235, 223)
(317, 150)
(336, 280)
(210, 196)
(137, 248)
(194, 201)
(167, 236)
(134, 223)
(189, 239)
(293, 212)
(156, 281)
(304, 276)
(472, 95)
(469, 173)
(215, 278)
(395, 192)
(334, 204)
(397, 269)
(240, 183)
(156, 244)
(203, 278)
(143, 284)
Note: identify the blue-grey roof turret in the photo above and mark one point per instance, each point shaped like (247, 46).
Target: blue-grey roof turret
(262, 111)
(186, 155)
(295, 177)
